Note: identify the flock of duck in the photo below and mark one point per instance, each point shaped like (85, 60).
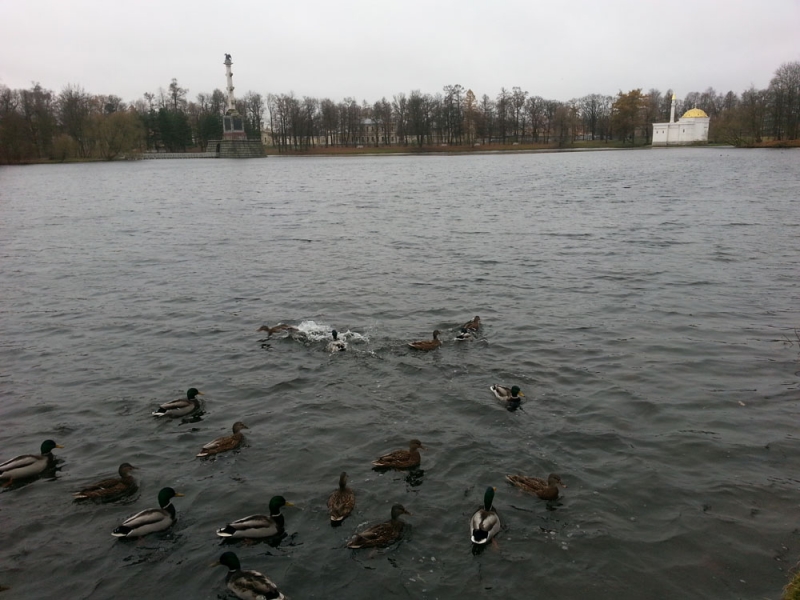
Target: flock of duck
(252, 585)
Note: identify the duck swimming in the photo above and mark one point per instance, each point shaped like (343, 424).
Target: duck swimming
(247, 585)
(277, 329)
(382, 534)
(427, 344)
(485, 523)
(152, 519)
(224, 443)
(401, 459)
(29, 465)
(473, 325)
(181, 407)
(342, 501)
(258, 526)
(337, 345)
(511, 395)
(111, 489)
(465, 334)
(546, 490)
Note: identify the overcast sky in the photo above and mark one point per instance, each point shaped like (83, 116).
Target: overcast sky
(368, 49)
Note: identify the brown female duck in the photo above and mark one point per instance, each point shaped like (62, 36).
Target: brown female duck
(341, 501)
(546, 490)
(110, 489)
(401, 459)
(226, 442)
(427, 344)
(473, 325)
(277, 329)
(382, 534)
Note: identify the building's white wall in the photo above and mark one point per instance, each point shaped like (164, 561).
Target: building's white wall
(685, 131)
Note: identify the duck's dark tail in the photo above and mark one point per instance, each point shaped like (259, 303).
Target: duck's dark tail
(479, 536)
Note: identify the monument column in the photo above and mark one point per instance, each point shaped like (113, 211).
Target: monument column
(232, 122)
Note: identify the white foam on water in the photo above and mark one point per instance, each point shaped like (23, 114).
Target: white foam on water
(320, 332)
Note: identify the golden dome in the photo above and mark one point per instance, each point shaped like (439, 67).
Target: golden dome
(694, 113)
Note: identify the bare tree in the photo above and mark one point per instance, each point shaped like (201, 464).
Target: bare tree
(400, 110)
(452, 113)
(590, 113)
(534, 106)
(485, 121)
(418, 122)
(652, 108)
(330, 121)
(177, 95)
(784, 101)
(470, 114)
(254, 110)
(73, 112)
(503, 108)
(517, 112)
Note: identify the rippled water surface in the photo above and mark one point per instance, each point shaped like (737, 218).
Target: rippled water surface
(645, 302)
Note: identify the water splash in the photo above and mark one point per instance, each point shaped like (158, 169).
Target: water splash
(320, 332)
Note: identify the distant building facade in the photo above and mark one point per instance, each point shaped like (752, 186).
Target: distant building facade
(691, 128)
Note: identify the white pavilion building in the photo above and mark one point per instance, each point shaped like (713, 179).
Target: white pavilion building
(691, 128)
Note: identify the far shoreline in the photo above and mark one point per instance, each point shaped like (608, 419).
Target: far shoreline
(486, 150)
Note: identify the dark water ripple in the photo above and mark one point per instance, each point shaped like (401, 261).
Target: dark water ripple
(646, 302)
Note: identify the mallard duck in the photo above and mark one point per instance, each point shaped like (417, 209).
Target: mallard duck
(258, 526)
(427, 344)
(382, 534)
(506, 394)
(247, 585)
(180, 407)
(29, 465)
(401, 459)
(473, 325)
(546, 490)
(465, 335)
(337, 345)
(152, 519)
(341, 501)
(277, 329)
(111, 489)
(485, 523)
(224, 443)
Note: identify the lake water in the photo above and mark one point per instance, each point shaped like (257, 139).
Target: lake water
(646, 302)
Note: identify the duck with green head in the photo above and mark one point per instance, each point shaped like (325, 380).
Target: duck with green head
(336, 345)
(152, 519)
(247, 584)
(29, 465)
(509, 395)
(180, 407)
(485, 523)
(258, 526)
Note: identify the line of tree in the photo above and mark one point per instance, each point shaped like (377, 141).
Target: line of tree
(38, 124)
